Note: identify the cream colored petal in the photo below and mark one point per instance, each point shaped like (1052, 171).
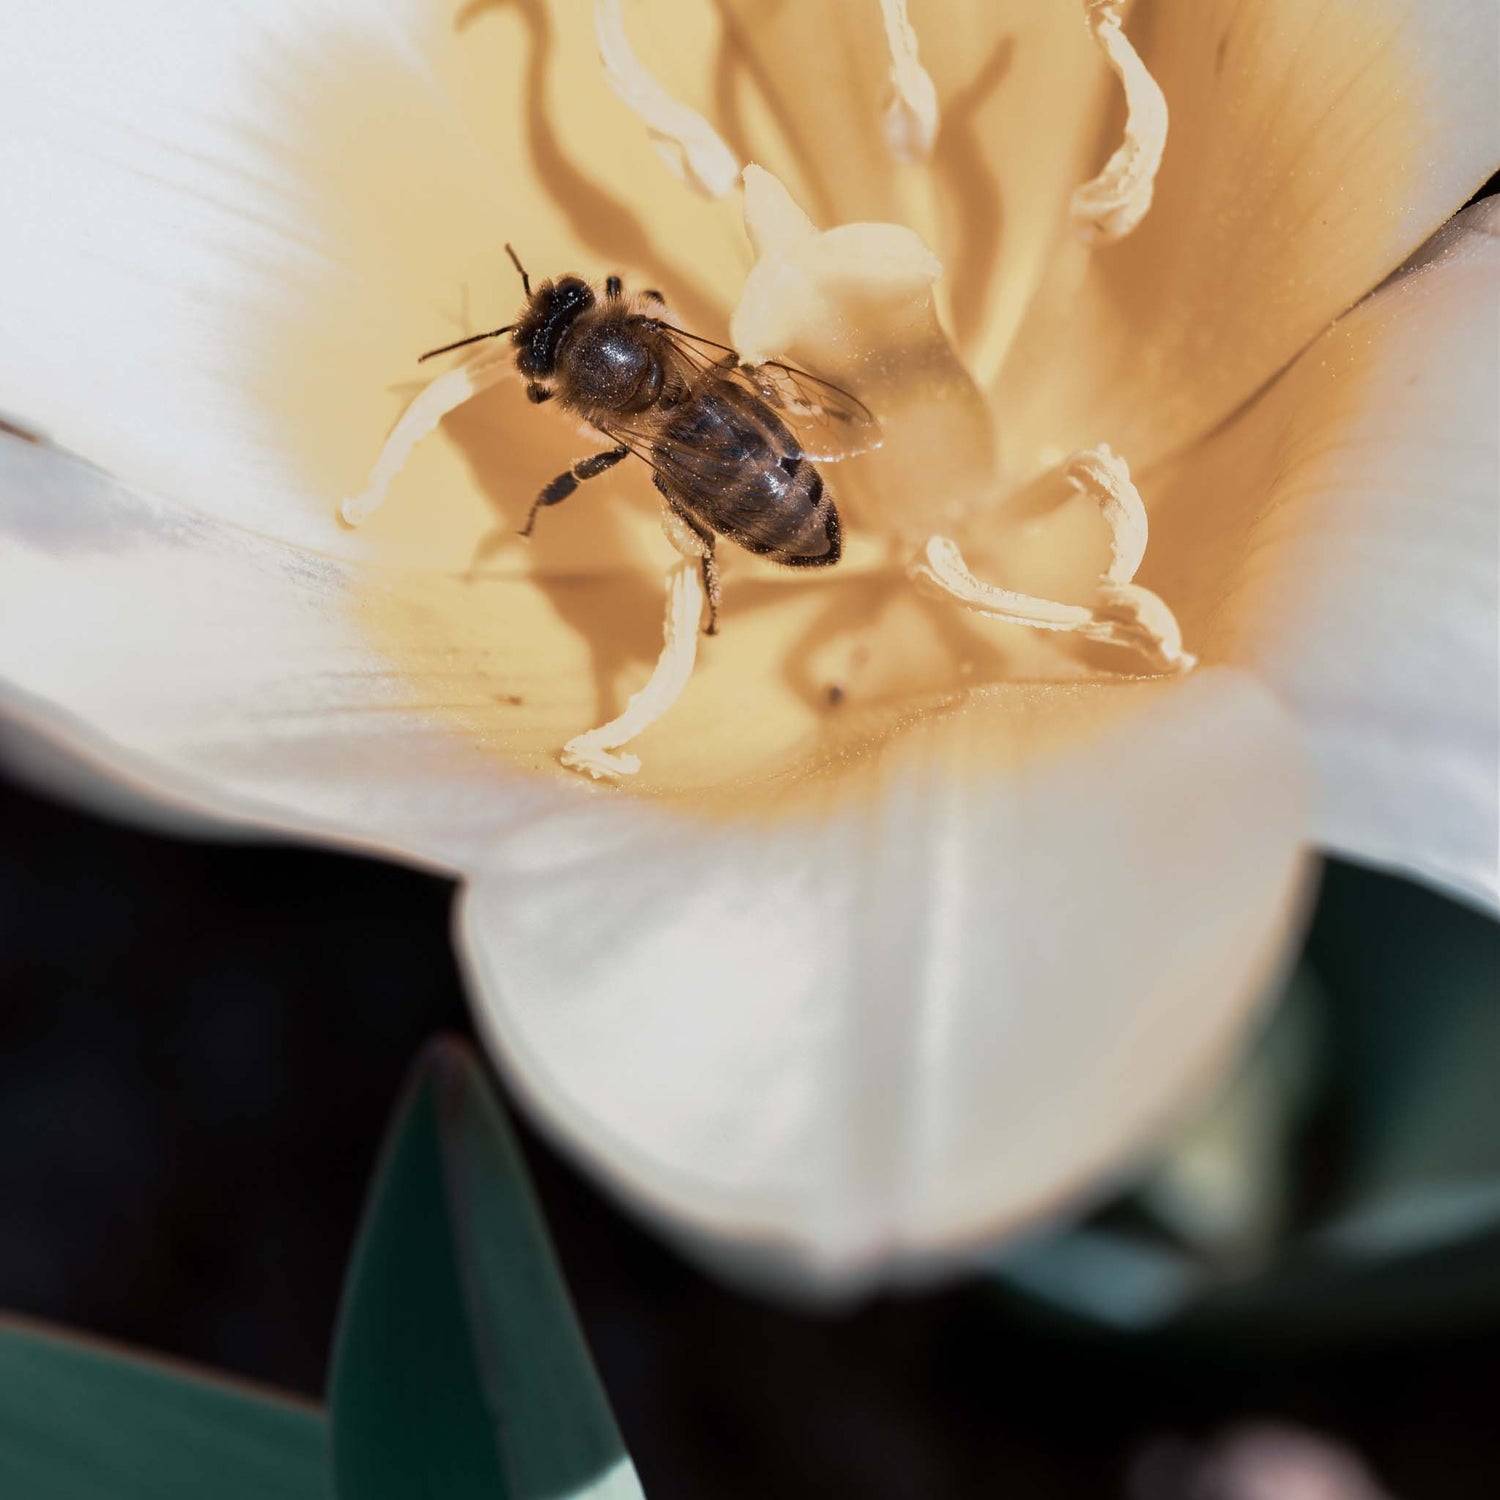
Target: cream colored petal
(175, 660)
(1313, 145)
(404, 709)
(857, 1037)
(230, 230)
(409, 711)
(1342, 539)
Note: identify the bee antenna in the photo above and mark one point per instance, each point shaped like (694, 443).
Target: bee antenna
(515, 260)
(476, 338)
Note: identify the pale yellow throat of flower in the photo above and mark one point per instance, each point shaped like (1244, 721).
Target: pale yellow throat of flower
(855, 303)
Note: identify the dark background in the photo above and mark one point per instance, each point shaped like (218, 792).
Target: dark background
(199, 1048)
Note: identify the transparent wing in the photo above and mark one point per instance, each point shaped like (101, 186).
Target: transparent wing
(712, 461)
(830, 423)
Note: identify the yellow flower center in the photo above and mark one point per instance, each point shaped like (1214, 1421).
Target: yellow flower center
(812, 668)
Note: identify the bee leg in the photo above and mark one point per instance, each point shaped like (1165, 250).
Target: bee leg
(613, 288)
(712, 587)
(652, 295)
(558, 490)
(693, 540)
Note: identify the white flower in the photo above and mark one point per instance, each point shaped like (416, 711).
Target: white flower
(837, 985)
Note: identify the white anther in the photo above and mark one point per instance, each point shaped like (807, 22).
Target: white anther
(1123, 613)
(942, 567)
(1131, 616)
(1110, 206)
(492, 364)
(688, 144)
(1102, 473)
(595, 752)
(911, 117)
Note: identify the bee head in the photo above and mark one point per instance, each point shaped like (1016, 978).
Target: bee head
(551, 312)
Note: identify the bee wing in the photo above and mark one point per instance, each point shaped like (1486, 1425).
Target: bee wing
(687, 472)
(635, 436)
(830, 423)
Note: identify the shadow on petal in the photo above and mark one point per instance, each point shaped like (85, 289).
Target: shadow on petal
(972, 194)
(601, 221)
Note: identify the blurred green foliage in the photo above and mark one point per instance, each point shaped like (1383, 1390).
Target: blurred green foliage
(459, 1368)
(1348, 1180)
(82, 1422)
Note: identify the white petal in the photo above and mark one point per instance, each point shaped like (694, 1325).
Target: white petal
(1314, 144)
(231, 229)
(172, 659)
(875, 1032)
(1341, 537)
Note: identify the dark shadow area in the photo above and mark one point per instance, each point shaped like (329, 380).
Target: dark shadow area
(740, 65)
(513, 449)
(971, 194)
(826, 138)
(199, 1045)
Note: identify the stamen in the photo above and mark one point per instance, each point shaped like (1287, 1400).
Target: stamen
(942, 567)
(1100, 472)
(1124, 613)
(1110, 206)
(1135, 616)
(683, 138)
(911, 117)
(594, 751)
(451, 389)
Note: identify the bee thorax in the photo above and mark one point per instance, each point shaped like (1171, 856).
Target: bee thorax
(610, 367)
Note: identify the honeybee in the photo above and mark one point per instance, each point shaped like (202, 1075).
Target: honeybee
(717, 434)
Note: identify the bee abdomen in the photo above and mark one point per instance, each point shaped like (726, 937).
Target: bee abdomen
(736, 467)
(780, 509)
(809, 522)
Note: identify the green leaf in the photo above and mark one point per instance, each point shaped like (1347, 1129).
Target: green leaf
(1386, 1217)
(1417, 979)
(459, 1369)
(80, 1422)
